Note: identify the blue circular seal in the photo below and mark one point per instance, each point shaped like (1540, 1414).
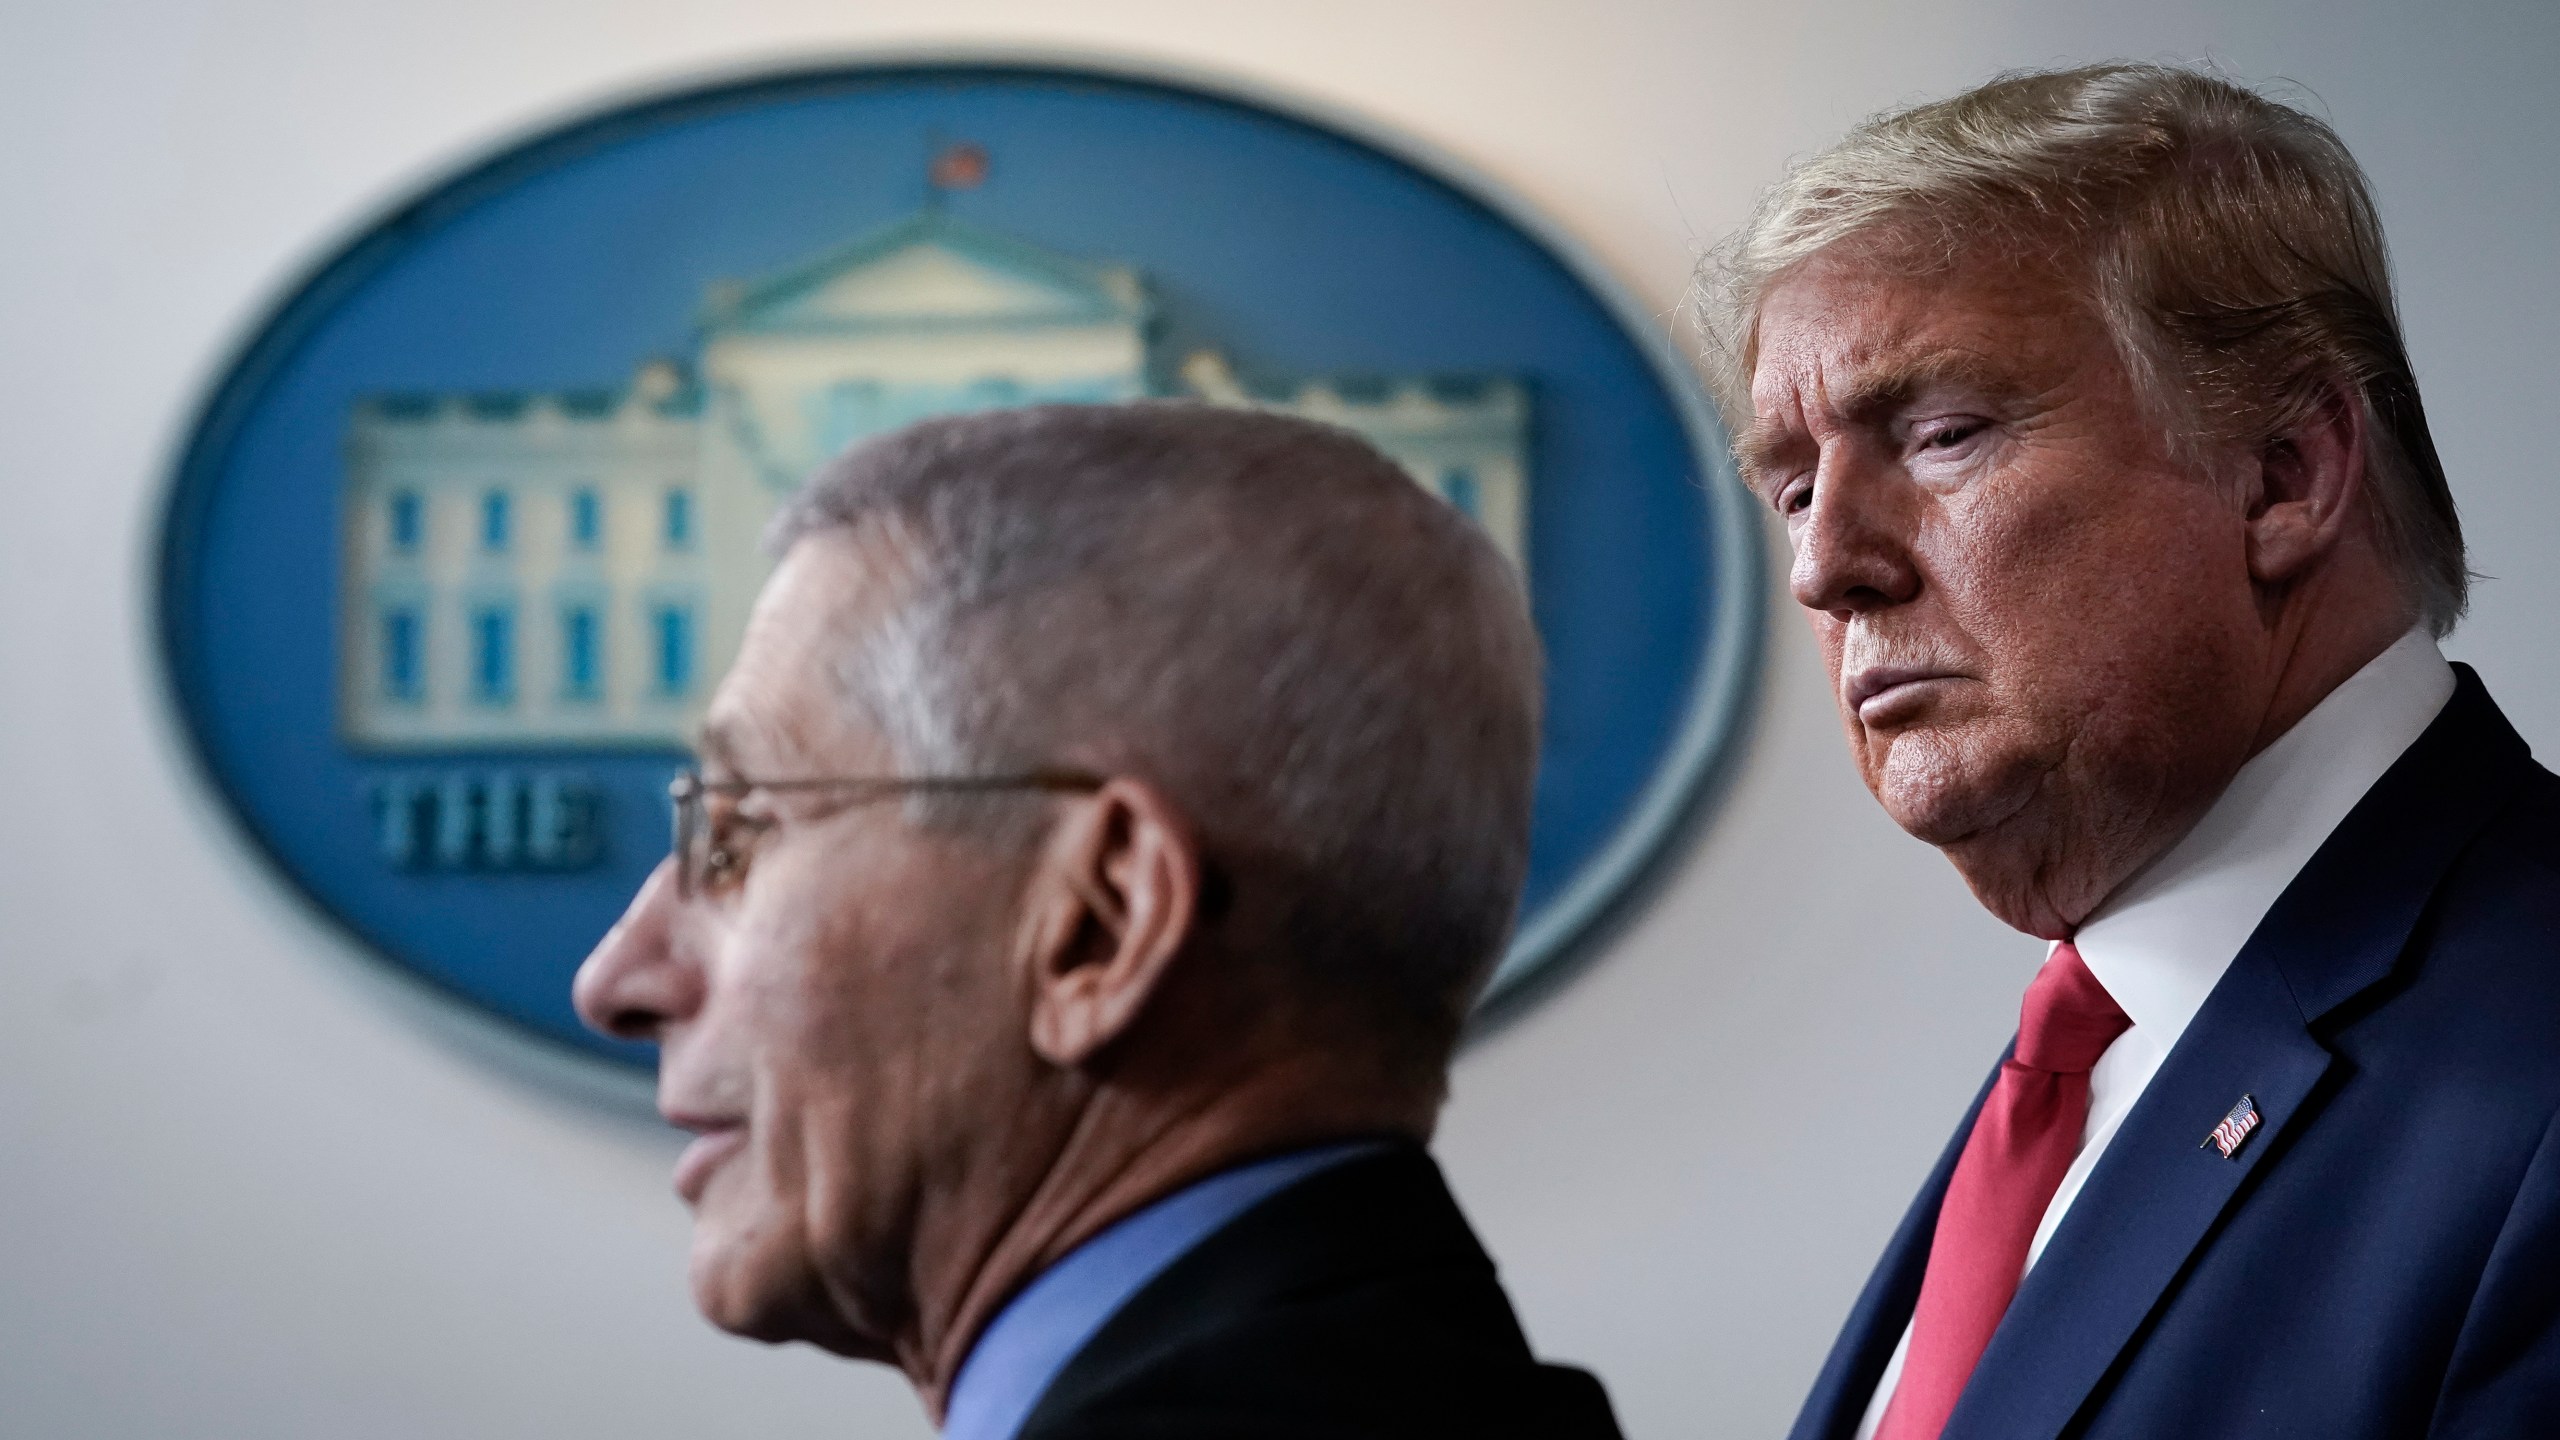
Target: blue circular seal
(465, 534)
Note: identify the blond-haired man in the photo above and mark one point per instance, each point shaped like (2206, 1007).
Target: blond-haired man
(2116, 517)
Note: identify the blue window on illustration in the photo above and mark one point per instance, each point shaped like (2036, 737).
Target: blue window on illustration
(679, 519)
(578, 652)
(494, 520)
(586, 519)
(403, 653)
(1458, 486)
(675, 649)
(493, 654)
(408, 521)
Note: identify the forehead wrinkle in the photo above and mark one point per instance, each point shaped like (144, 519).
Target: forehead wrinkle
(783, 711)
(1780, 425)
(1781, 430)
(741, 739)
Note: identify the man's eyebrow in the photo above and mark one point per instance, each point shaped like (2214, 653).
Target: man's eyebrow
(1891, 384)
(1763, 448)
(742, 739)
(716, 744)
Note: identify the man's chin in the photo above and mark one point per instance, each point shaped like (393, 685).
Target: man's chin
(736, 1292)
(1936, 794)
(759, 1298)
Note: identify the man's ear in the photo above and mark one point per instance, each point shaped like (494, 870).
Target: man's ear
(1115, 902)
(2309, 481)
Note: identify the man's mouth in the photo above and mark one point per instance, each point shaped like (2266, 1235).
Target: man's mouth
(1880, 694)
(714, 1141)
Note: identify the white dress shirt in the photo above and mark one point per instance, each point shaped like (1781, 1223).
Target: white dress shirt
(2161, 942)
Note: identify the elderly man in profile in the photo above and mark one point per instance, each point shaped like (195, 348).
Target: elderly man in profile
(1098, 844)
(2117, 520)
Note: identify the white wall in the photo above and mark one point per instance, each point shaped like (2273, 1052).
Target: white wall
(248, 1188)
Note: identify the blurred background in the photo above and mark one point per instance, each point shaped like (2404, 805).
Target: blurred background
(250, 1186)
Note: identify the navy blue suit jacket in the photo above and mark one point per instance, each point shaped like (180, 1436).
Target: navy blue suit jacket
(2382, 1258)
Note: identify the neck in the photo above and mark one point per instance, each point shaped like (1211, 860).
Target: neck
(1125, 1147)
(2321, 659)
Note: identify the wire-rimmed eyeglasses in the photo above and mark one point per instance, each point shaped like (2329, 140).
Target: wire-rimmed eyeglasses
(709, 844)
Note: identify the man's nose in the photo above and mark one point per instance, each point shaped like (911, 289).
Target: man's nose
(634, 985)
(1853, 546)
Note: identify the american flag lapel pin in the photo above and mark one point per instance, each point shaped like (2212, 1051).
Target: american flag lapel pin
(2234, 1129)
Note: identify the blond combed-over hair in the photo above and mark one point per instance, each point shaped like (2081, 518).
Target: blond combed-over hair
(2228, 241)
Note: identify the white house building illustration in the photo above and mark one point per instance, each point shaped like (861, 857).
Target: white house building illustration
(572, 569)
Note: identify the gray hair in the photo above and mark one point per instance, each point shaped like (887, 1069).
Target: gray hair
(1331, 671)
(2229, 242)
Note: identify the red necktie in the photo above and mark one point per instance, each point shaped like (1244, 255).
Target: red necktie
(2014, 1160)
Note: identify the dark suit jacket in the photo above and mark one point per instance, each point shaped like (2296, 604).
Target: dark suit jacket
(2382, 1258)
(1353, 1303)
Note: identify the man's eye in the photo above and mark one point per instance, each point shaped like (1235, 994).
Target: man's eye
(724, 862)
(1795, 498)
(1950, 436)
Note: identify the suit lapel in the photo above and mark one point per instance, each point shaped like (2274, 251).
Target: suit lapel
(2156, 1198)
(2150, 1203)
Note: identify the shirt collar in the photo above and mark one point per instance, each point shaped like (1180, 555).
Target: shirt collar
(2160, 943)
(1040, 1329)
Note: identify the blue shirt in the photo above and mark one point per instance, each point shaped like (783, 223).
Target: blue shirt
(1039, 1330)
